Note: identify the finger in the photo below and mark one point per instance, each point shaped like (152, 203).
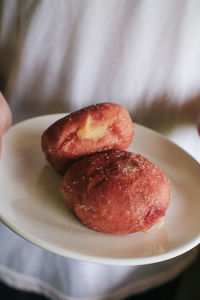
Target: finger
(198, 125)
(5, 116)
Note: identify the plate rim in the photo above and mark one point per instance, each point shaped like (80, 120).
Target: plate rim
(103, 260)
(97, 259)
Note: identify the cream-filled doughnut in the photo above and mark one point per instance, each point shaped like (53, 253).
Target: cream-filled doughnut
(89, 130)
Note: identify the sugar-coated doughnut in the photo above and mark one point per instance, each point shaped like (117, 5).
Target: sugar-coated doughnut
(116, 192)
(89, 130)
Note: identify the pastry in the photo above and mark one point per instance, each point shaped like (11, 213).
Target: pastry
(116, 191)
(89, 130)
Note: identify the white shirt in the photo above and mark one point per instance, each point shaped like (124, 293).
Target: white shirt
(59, 56)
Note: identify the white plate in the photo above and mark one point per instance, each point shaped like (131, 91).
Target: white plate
(30, 203)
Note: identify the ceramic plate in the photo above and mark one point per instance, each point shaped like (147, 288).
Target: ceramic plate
(31, 205)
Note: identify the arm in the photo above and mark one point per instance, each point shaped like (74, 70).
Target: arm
(5, 117)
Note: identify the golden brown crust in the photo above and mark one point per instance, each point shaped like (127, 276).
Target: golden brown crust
(89, 130)
(116, 192)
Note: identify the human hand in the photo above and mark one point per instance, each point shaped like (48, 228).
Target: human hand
(5, 117)
(198, 125)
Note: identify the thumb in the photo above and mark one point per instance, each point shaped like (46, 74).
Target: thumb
(198, 125)
(5, 116)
